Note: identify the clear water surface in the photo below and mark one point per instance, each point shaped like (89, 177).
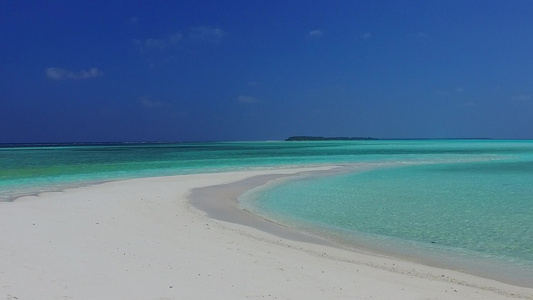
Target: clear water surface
(462, 202)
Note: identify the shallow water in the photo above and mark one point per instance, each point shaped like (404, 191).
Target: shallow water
(35, 168)
(471, 214)
(468, 203)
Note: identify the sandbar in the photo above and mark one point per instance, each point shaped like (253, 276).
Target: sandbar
(144, 239)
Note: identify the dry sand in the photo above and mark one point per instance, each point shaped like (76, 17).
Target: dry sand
(142, 239)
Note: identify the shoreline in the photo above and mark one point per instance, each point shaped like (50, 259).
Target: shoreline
(143, 239)
(228, 209)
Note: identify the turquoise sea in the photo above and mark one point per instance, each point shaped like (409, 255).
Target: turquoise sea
(463, 204)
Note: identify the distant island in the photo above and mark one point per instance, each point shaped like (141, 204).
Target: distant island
(321, 138)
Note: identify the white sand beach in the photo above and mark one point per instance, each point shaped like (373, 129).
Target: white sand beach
(142, 239)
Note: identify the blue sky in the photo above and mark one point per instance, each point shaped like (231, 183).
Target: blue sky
(102, 71)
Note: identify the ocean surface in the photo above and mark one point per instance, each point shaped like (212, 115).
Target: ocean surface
(461, 204)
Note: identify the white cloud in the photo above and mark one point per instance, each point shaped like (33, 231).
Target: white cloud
(154, 44)
(61, 74)
(247, 99)
(151, 45)
(149, 103)
(175, 38)
(367, 35)
(208, 34)
(315, 33)
(521, 98)
(467, 104)
(171, 42)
